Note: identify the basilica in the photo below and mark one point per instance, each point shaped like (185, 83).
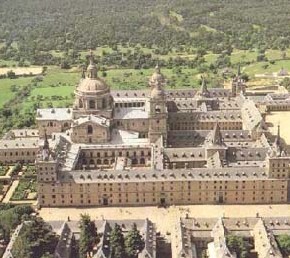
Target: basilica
(160, 147)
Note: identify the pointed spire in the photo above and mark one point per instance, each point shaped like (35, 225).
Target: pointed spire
(239, 71)
(278, 144)
(46, 144)
(91, 57)
(204, 91)
(83, 72)
(217, 138)
(92, 68)
(278, 138)
(157, 68)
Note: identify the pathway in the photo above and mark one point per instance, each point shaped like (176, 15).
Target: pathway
(10, 191)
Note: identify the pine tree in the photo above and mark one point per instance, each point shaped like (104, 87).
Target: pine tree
(88, 236)
(36, 239)
(117, 246)
(134, 242)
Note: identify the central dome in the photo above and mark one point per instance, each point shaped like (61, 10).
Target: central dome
(92, 84)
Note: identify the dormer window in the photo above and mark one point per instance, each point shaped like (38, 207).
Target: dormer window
(157, 109)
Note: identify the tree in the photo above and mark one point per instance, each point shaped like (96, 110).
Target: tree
(88, 236)
(11, 75)
(134, 242)
(36, 239)
(286, 83)
(284, 244)
(238, 245)
(117, 246)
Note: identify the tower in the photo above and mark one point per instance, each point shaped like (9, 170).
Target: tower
(278, 162)
(238, 84)
(47, 165)
(158, 107)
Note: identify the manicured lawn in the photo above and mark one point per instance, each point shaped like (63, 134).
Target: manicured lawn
(22, 190)
(29, 172)
(3, 170)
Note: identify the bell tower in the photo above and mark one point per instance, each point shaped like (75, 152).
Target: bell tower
(158, 108)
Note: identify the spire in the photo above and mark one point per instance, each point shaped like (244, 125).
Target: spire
(278, 144)
(92, 68)
(278, 138)
(216, 138)
(203, 91)
(157, 68)
(46, 144)
(45, 149)
(83, 72)
(239, 71)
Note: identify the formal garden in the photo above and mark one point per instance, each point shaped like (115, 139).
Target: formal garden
(3, 170)
(26, 190)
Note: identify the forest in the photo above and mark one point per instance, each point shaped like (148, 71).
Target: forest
(31, 29)
(128, 37)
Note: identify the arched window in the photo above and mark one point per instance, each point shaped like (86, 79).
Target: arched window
(106, 162)
(92, 104)
(134, 161)
(142, 161)
(90, 129)
(99, 162)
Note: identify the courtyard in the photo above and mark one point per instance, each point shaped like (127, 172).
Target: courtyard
(166, 218)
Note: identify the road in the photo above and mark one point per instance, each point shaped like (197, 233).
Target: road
(10, 191)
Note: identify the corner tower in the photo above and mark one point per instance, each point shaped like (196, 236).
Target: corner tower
(158, 108)
(92, 95)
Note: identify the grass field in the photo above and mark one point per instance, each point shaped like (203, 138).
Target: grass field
(258, 68)
(58, 85)
(5, 88)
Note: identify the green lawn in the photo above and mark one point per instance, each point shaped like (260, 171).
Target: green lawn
(5, 84)
(138, 79)
(58, 85)
(258, 68)
(23, 188)
(243, 56)
(3, 170)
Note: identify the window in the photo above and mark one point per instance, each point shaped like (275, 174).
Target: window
(92, 104)
(90, 129)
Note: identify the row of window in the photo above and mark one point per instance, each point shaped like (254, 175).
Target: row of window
(119, 153)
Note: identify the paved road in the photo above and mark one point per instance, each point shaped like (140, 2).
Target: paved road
(10, 191)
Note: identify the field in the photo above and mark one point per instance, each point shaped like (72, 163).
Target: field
(57, 86)
(5, 88)
(22, 70)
